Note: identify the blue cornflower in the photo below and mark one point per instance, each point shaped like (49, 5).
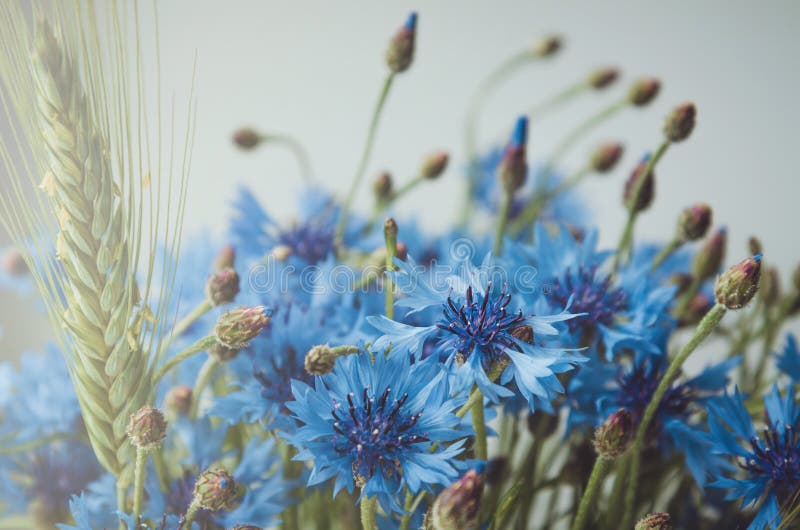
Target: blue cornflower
(482, 327)
(626, 310)
(768, 465)
(789, 359)
(375, 423)
(598, 389)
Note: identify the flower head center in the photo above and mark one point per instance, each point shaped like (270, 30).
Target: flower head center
(596, 297)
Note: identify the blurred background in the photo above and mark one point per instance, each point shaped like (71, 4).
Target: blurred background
(313, 70)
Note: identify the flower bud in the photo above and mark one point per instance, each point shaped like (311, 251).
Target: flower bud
(225, 258)
(547, 46)
(614, 436)
(513, 169)
(603, 77)
(709, 259)
(247, 138)
(699, 305)
(215, 490)
(434, 165)
(754, 246)
(694, 221)
(646, 188)
(222, 286)
(281, 252)
(680, 122)
(236, 328)
(383, 186)
(655, 521)
(147, 428)
(390, 228)
(320, 360)
(643, 91)
(179, 399)
(737, 286)
(770, 287)
(458, 506)
(14, 263)
(606, 157)
(400, 53)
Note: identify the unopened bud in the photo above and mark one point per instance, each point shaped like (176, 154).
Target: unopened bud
(320, 360)
(400, 53)
(247, 138)
(215, 490)
(226, 257)
(606, 157)
(458, 506)
(179, 399)
(655, 521)
(281, 252)
(14, 263)
(643, 91)
(383, 186)
(222, 286)
(513, 169)
(614, 436)
(680, 122)
(236, 328)
(699, 305)
(737, 286)
(645, 184)
(547, 46)
(434, 165)
(603, 77)
(754, 246)
(709, 258)
(390, 228)
(147, 428)
(694, 222)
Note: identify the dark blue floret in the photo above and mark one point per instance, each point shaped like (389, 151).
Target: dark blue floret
(311, 240)
(482, 323)
(595, 296)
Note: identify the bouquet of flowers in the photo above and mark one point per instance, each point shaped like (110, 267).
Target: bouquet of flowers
(341, 370)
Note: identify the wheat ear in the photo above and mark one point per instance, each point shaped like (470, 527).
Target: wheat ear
(111, 372)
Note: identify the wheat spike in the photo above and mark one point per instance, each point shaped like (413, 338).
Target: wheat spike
(79, 131)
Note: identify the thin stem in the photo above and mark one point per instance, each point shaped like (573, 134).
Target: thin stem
(33, 444)
(502, 221)
(369, 513)
(338, 238)
(565, 95)
(199, 346)
(405, 520)
(591, 492)
(191, 513)
(297, 149)
(581, 130)
(506, 506)
(206, 372)
(202, 308)
(161, 470)
(704, 328)
(391, 251)
(139, 472)
(291, 514)
(479, 424)
(665, 252)
(121, 501)
(626, 240)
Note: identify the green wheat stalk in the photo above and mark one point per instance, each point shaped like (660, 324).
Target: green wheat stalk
(78, 119)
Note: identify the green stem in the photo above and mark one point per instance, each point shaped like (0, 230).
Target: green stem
(502, 221)
(626, 240)
(369, 513)
(581, 130)
(704, 328)
(33, 444)
(191, 513)
(297, 149)
(199, 346)
(479, 424)
(161, 470)
(666, 252)
(391, 251)
(341, 225)
(559, 99)
(506, 507)
(121, 501)
(405, 520)
(139, 472)
(204, 307)
(291, 516)
(206, 372)
(591, 492)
